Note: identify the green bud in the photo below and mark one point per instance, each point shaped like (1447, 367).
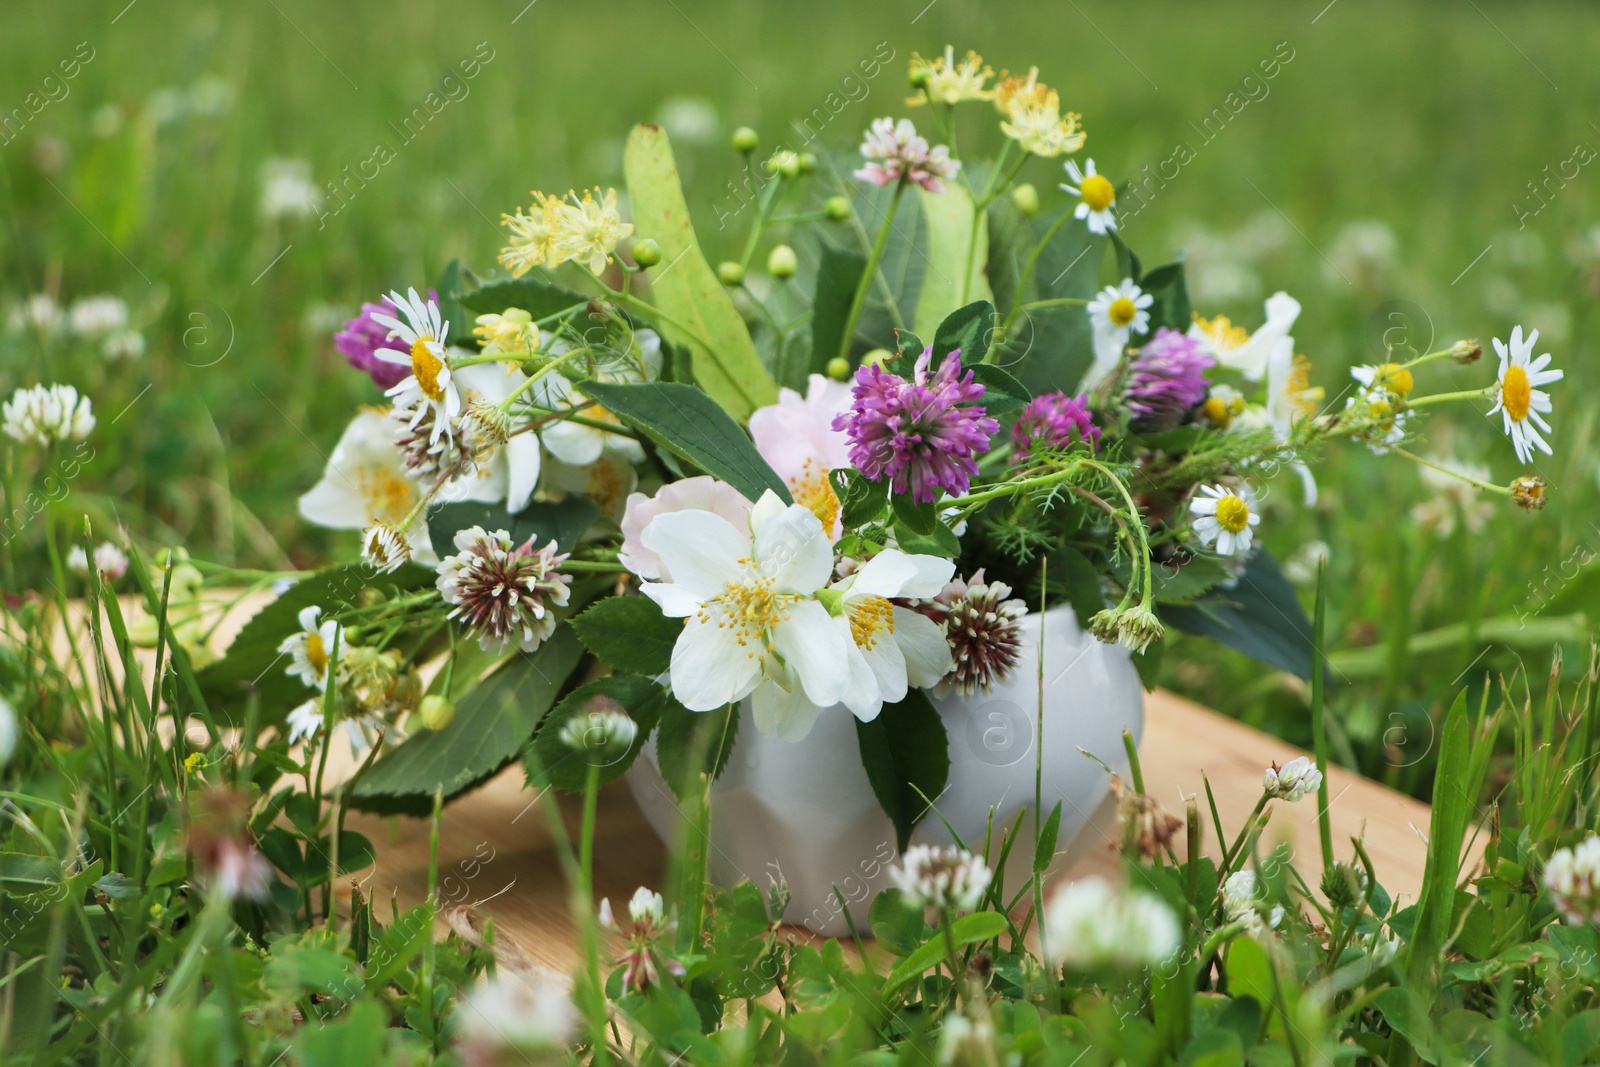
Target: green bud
(785, 163)
(877, 357)
(729, 272)
(1026, 197)
(437, 711)
(808, 163)
(745, 140)
(919, 75)
(646, 253)
(839, 369)
(781, 262)
(838, 208)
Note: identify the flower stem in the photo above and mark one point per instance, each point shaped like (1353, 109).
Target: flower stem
(1465, 394)
(859, 301)
(1476, 483)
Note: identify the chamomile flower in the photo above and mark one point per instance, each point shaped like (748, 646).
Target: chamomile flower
(1518, 396)
(311, 649)
(429, 385)
(1389, 378)
(1116, 312)
(1226, 517)
(1096, 196)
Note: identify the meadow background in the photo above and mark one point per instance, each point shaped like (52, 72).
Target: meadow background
(1385, 176)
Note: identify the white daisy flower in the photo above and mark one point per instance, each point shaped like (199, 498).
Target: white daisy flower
(311, 650)
(1096, 196)
(753, 622)
(1250, 353)
(1518, 396)
(1116, 312)
(1225, 516)
(890, 647)
(429, 382)
(304, 721)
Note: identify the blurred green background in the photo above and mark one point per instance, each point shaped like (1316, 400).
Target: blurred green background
(1385, 176)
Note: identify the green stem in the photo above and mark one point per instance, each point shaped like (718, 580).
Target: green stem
(1032, 266)
(1465, 394)
(595, 998)
(859, 301)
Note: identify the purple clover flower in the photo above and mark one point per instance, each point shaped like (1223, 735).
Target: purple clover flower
(920, 433)
(1054, 420)
(1166, 380)
(360, 339)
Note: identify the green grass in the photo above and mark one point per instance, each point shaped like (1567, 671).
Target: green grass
(1431, 118)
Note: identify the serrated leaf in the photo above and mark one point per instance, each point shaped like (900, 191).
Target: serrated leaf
(563, 522)
(539, 297)
(860, 501)
(492, 724)
(692, 743)
(908, 343)
(556, 763)
(967, 330)
(912, 516)
(629, 633)
(697, 309)
(688, 423)
(939, 541)
(906, 755)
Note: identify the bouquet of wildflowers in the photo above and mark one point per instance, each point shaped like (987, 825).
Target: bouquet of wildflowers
(616, 490)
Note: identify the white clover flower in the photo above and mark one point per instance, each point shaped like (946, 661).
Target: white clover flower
(646, 909)
(896, 153)
(599, 732)
(934, 877)
(964, 1039)
(43, 415)
(1225, 517)
(1293, 780)
(1091, 924)
(96, 316)
(39, 312)
(1451, 499)
(1518, 397)
(1573, 878)
(1242, 901)
(124, 344)
(516, 1017)
(502, 592)
(9, 731)
(288, 191)
(109, 560)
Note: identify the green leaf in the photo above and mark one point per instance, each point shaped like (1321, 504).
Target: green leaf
(357, 1036)
(912, 516)
(539, 297)
(295, 969)
(908, 343)
(1127, 263)
(1170, 292)
(449, 289)
(1082, 580)
(1046, 348)
(564, 522)
(838, 274)
(896, 923)
(1249, 970)
(1001, 390)
(629, 633)
(688, 423)
(697, 310)
(972, 929)
(552, 761)
(907, 757)
(860, 501)
(492, 724)
(692, 743)
(1457, 784)
(967, 330)
(1178, 585)
(939, 541)
(950, 235)
(1045, 849)
(253, 663)
(1261, 616)
(1579, 1037)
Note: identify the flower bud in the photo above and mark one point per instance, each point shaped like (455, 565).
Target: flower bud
(784, 162)
(781, 262)
(918, 75)
(808, 163)
(839, 369)
(838, 208)
(437, 711)
(1026, 197)
(1464, 352)
(646, 253)
(729, 272)
(1343, 885)
(1528, 492)
(745, 140)
(876, 357)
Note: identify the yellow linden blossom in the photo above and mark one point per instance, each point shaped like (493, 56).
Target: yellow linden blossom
(945, 81)
(511, 333)
(532, 237)
(587, 230)
(1222, 406)
(1035, 118)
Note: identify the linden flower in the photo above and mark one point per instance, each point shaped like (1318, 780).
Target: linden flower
(797, 439)
(1225, 516)
(947, 82)
(587, 230)
(428, 388)
(1247, 353)
(890, 647)
(1115, 313)
(753, 623)
(511, 333)
(1518, 396)
(1035, 121)
(532, 237)
(1096, 196)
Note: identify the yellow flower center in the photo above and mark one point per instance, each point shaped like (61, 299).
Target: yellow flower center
(1233, 514)
(388, 493)
(426, 366)
(750, 609)
(1216, 412)
(1516, 393)
(316, 654)
(869, 616)
(1383, 414)
(1122, 311)
(1395, 378)
(813, 491)
(1097, 192)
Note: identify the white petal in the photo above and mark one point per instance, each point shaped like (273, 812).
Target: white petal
(709, 668)
(778, 711)
(700, 550)
(927, 653)
(674, 601)
(792, 548)
(523, 460)
(812, 646)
